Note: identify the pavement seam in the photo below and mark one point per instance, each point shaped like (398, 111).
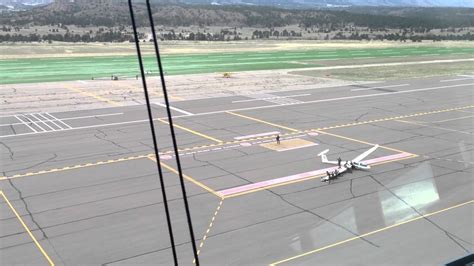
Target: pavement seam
(38, 245)
(424, 216)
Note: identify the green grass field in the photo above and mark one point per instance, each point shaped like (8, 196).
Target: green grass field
(34, 70)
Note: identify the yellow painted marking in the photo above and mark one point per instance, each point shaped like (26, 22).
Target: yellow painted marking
(264, 122)
(266, 137)
(95, 96)
(192, 131)
(425, 125)
(173, 97)
(315, 130)
(27, 229)
(273, 186)
(359, 141)
(208, 229)
(287, 144)
(371, 233)
(403, 116)
(188, 178)
(77, 166)
(309, 177)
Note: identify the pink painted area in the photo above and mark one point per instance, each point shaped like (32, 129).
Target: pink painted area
(263, 184)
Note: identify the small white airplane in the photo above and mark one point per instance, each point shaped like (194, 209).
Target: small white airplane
(345, 165)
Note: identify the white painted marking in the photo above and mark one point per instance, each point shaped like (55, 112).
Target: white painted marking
(67, 118)
(266, 107)
(299, 147)
(24, 123)
(90, 116)
(49, 120)
(381, 87)
(271, 98)
(34, 122)
(245, 144)
(40, 119)
(450, 80)
(174, 108)
(453, 119)
(257, 135)
(59, 120)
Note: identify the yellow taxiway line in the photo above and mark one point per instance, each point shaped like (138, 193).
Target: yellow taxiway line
(77, 166)
(307, 178)
(264, 122)
(209, 227)
(27, 229)
(192, 131)
(220, 143)
(370, 233)
(217, 194)
(93, 95)
(314, 130)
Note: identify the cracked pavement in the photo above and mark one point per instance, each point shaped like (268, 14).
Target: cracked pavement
(112, 213)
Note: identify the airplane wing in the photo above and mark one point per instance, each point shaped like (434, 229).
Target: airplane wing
(324, 158)
(365, 154)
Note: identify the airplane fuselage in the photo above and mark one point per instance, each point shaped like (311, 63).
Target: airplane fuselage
(355, 165)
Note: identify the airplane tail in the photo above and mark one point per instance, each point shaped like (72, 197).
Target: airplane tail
(323, 156)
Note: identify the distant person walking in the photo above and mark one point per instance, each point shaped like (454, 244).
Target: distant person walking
(339, 162)
(278, 139)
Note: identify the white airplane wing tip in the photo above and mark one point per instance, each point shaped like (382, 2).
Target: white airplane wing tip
(323, 152)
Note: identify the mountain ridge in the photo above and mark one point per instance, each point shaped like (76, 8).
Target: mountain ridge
(290, 3)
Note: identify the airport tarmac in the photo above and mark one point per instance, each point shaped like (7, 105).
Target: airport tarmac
(81, 187)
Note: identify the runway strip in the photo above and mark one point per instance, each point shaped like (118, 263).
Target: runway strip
(235, 191)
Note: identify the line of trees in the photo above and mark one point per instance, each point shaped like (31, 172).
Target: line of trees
(403, 37)
(109, 36)
(199, 36)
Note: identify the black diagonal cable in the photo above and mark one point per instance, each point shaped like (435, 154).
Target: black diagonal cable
(152, 126)
(170, 122)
